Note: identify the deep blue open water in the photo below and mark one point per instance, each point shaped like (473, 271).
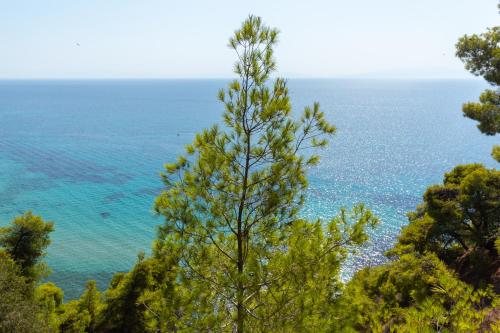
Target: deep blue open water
(87, 155)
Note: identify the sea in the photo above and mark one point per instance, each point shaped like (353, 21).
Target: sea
(87, 155)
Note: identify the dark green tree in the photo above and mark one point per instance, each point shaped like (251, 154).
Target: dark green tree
(481, 55)
(415, 293)
(72, 319)
(79, 316)
(25, 241)
(90, 302)
(122, 310)
(460, 222)
(19, 312)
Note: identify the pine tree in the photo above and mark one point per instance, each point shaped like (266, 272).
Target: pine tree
(231, 205)
(481, 55)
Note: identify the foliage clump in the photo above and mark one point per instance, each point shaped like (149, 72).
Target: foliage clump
(481, 55)
(25, 241)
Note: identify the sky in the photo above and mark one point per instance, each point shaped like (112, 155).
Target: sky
(188, 39)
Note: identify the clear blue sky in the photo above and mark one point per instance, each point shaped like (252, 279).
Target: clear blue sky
(187, 38)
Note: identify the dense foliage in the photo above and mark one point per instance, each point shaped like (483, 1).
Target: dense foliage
(444, 273)
(234, 255)
(25, 241)
(415, 293)
(481, 55)
(459, 222)
(18, 311)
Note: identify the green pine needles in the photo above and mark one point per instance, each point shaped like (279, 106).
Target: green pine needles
(231, 203)
(481, 55)
(234, 254)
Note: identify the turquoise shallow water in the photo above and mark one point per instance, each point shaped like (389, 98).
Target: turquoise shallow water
(87, 155)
